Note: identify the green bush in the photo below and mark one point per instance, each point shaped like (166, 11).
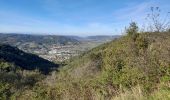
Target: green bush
(132, 29)
(4, 91)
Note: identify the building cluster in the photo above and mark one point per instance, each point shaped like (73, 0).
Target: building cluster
(56, 53)
(60, 53)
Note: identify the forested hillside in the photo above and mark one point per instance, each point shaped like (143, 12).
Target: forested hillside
(20, 71)
(134, 67)
(25, 61)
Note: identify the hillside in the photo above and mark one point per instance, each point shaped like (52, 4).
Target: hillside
(130, 68)
(20, 71)
(24, 60)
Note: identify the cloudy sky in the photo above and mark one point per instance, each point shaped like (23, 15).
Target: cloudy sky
(74, 17)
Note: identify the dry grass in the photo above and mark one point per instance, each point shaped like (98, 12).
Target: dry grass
(134, 93)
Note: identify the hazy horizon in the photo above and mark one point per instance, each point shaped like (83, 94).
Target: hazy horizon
(55, 34)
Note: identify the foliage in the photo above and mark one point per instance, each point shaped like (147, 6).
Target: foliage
(133, 29)
(128, 69)
(156, 21)
(4, 91)
(122, 69)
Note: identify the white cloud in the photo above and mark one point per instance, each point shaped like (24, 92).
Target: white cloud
(132, 12)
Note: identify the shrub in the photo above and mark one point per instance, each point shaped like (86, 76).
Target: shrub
(133, 29)
(141, 42)
(4, 91)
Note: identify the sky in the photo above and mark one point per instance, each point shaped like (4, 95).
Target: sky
(74, 17)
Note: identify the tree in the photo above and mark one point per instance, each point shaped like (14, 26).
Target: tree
(133, 29)
(156, 22)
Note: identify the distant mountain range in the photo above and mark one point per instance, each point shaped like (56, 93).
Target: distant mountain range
(13, 38)
(38, 39)
(95, 38)
(102, 37)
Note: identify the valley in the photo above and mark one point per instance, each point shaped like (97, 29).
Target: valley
(128, 63)
(52, 47)
(84, 50)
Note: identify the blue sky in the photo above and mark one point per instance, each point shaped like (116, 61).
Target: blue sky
(74, 17)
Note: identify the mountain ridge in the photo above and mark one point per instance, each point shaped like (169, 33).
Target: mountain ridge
(24, 60)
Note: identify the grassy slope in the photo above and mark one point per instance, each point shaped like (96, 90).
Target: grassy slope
(122, 69)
